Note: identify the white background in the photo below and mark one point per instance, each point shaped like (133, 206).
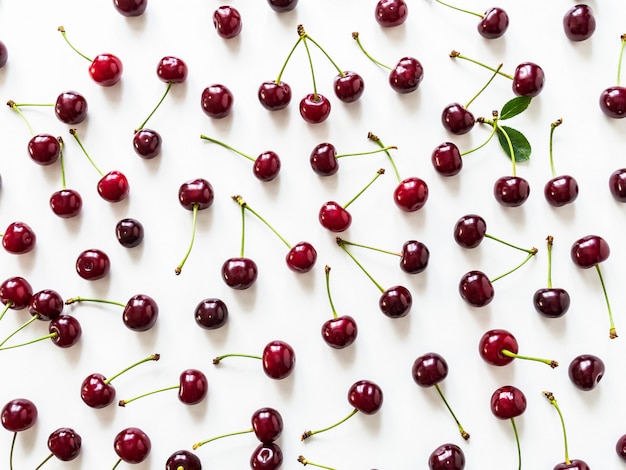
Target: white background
(284, 305)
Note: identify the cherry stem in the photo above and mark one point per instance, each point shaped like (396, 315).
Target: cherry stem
(152, 357)
(243, 231)
(464, 433)
(194, 219)
(341, 72)
(130, 400)
(49, 336)
(519, 449)
(510, 145)
(62, 161)
(553, 126)
(202, 136)
(306, 462)
(456, 54)
(612, 332)
(75, 134)
(167, 90)
(493, 132)
(239, 200)
(619, 63)
(11, 104)
(484, 86)
(44, 461)
(218, 359)
(394, 253)
(24, 325)
(238, 433)
(62, 31)
(378, 173)
(355, 36)
(11, 451)
(550, 362)
(116, 464)
(375, 138)
(308, 53)
(280, 74)
(307, 434)
(553, 402)
(73, 300)
(550, 240)
(510, 244)
(330, 298)
(341, 243)
(6, 307)
(384, 149)
(460, 9)
(532, 253)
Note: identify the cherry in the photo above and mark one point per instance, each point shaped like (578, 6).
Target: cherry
(476, 289)
(44, 149)
(613, 99)
(509, 402)
(18, 415)
(560, 190)
(429, 370)
(266, 457)
(130, 7)
(15, 293)
(457, 119)
(66, 203)
(389, 13)
(499, 347)
(140, 312)
(4, 54)
(18, 238)
(64, 331)
(617, 184)
(71, 107)
(239, 273)
(447, 457)
(573, 464)
(46, 304)
(340, 331)
(64, 444)
(211, 313)
(579, 22)
(470, 230)
(585, 371)
(282, 5)
(411, 194)
(314, 108)
(132, 445)
(274, 95)
(192, 388)
(620, 447)
(551, 302)
(493, 23)
(183, 460)
(147, 143)
(172, 69)
(447, 159)
(216, 101)
(278, 359)
(129, 232)
(511, 191)
(414, 255)
(227, 21)
(93, 264)
(528, 79)
(349, 86)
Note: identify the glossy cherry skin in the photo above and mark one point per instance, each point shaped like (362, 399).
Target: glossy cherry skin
(429, 369)
(508, 402)
(193, 386)
(395, 302)
(323, 159)
(493, 342)
(18, 415)
(211, 313)
(390, 13)
(44, 149)
(113, 187)
(274, 96)
(617, 184)
(314, 109)
(585, 371)
(129, 232)
(446, 159)
(365, 396)
(579, 22)
(267, 166)
(470, 230)
(172, 70)
(266, 457)
(130, 7)
(93, 264)
(132, 445)
(551, 302)
(279, 359)
(561, 190)
(47, 304)
(106, 69)
(340, 332)
(476, 289)
(349, 86)
(334, 217)
(71, 107)
(267, 424)
(216, 101)
(301, 257)
(456, 119)
(414, 257)
(447, 457)
(16, 292)
(511, 191)
(613, 102)
(183, 459)
(528, 79)
(494, 23)
(239, 273)
(66, 203)
(147, 143)
(411, 194)
(588, 251)
(620, 447)
(407, 75)
(65, 444)
(19, 238)
(282, 5)
(227, 22)
(140, 313)
(96, 392)
(4, 54)
(197, 192)
(574, 464)
(67, 331)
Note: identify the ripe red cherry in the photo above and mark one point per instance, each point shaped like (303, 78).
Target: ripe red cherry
(579, 22)
(216, 101)
(93, 264)
(140, 313)
(197, 192)
(15, 293)
(47, 304)
(349, 87)
(334, 217)
(407, 75)
(71, 107)
(613, 102)
(493, 342)
(585, 371)
(561, 190)
(65, 444)
(19, 238)
(130, 7)
(511, 191)
(274, 96)
(129, 232)
(411, 194)
(446, 159)
(193, 386)
(113, 187)
(456, 119)
(508, 402)
(266, 457)
(470, 230)
(227, 22)
(494, 23)
(279, 359)
(266, 166)
(18, 415)
(239, 273)
(147, 143)
(395, 302)
(365, 396)
(66, 330)
(44, 149)
(301, 257)
(96, 392)
(617, 184)
(282, 5)
(528, 79)
(340, 332)
(589, 251)
(267, 424)
(429, 369)
(314, 108)
(106, 69)
(551, 302)
(447, 457)
(172, 70)
(132, 445)
(211, 313)
(66, 203)
(390, 13)
(476, 289)
(620, 447)
(414, 257)
(183, 459)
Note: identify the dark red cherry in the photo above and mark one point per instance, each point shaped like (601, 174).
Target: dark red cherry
(129, 232)
(113, 187)
(620, 447)
(349, 86)
(456, 119)
(617, 184)
(239, 273)
(47, 304)
(147, 143)
(508, 402)
(561, 190)
(390, 13)
(446, 159)
(19, 238)
(279, 359)
(585, 371)
(130, 7)
(411, 194)
(266, 457)
(65, 444)
(267, 424)
(193, 386)
(15, 293)
(227, 21)
(494, 23)
(395, 302)
(132, 445)
(93, 264)
(574, 464)
(140, 313)
(211, 313)
(429, 369)
(18, 415)
(183, 460)
(447, 457)
(314, 108)
(613, 102)
(301, 257)
(476, 289)
(414, 257)
(493, 342)
(106, 69)
(274, 96)
(266, 166)
(511, 191)
(528, 79)
(198, 192)
(579, 22)
(588, 251)
(407, 75)
(365, 396)
(96, 392)
(66, 330)
(216, 101)
(282, 5)
(4, 54)
(71, 107)
(66, 203)
(551, 302)
(470, 230)
(334, 217)
(172, 70)
(44, 149)
(340, 332)
(323, 159)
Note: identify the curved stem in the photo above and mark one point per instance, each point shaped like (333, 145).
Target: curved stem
(341, 244)
(24, 325)
(330, 298)
(11, 104)
(6, 307)
(239, 200)
(553, 402)
(493, 132)
(308, 434)
(484, 86)
(194, 219)
(550, 362)
(553, 126)
(130, 400)
(218, 359)
(461, 9)
(306, 462)
(202, 136)
(511, 151)
(370, 152)
(510, 244)
(373, 248)
(550, 240)
(378, 173)
(519, 449)
(152, 357)
(612, 332)
(11, 451)
(62, 30)
(44, 461)
(341, 72)
(458, 55)
(73, 132)
(33, 341)
(464, 433)
(375, 138)
(167, 90)
(73, 300)
(619, 63)
(238, 433)
(355, 36)
(280, 74)
(530, 255)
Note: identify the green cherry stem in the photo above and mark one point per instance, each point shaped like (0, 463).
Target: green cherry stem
(612, 331)
(73, 300)
(553, 402)
(307, 434)
(550, 241)
(341, 243)
(355, 36)
(218, 359)
(302, 34)
(370, 152)
(309, 38)
(152, 357)
(282, 69)
(330, 298)
(237, 433)
(306, 462)
(458, 55)
(32, 341)
(531, 253)
(381, 250)
(80, 144)
(119, 461)
(49, 457)
(7, 306)
(239, 200)
(464, 434)
(493, 132)
(378, 173)
(550, 362)
(243, 231)
(484, 86)
(20, 328)
(519, 448)
(375, 138)
(62, 31)
(553, 126)
(621, 56)
(62, 161)
(215, 141)
(194, 219)
(130, 400)
(11, 451)
(460, 9)
(167, 90)
(11, 104)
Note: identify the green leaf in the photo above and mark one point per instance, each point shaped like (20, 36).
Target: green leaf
(514, 107)
(519, 142)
